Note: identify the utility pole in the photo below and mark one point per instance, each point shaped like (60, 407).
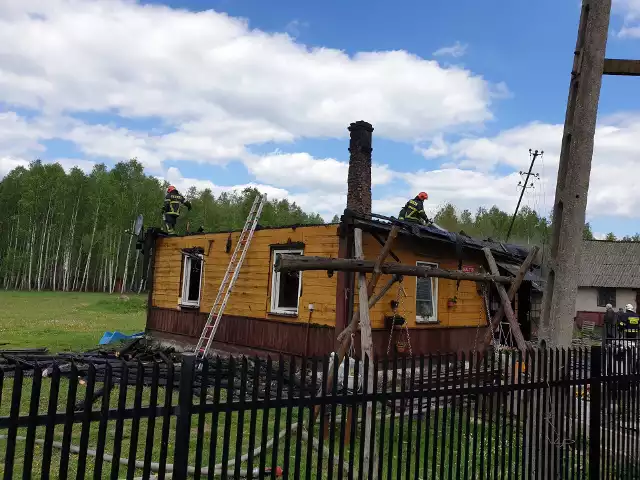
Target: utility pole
(574, 170)
(533, 156)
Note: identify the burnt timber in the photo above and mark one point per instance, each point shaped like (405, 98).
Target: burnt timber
(288, 263)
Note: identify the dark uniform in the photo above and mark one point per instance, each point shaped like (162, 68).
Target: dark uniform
(413, 211)
(173, 200)
(631, 324)
(610, 323)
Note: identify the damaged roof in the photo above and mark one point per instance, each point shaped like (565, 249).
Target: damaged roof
(609, 264)
(507, 252)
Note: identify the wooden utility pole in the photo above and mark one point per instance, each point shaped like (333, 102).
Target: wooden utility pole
(572, 186)
(534, 155)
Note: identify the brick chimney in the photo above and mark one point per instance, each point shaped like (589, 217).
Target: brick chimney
(359, 180)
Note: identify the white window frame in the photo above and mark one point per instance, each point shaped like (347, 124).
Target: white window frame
(275, 284)
(434, 295)
(186, 279)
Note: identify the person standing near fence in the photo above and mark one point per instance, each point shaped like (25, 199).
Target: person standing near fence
(632, 321)
(609, 322)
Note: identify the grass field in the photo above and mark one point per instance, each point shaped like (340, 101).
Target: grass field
(66, 321)
(76, 321)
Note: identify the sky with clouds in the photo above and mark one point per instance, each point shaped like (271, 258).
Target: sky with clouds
(227, 93)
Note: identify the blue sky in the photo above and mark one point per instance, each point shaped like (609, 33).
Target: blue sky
(221, 94)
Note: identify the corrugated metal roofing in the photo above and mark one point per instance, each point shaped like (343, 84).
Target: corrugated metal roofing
(610, 264)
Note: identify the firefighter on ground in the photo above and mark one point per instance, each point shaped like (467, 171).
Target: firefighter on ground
(631, 322)
(173, 200)
(414, 212)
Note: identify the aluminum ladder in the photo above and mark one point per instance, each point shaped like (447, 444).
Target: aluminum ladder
(230, 277)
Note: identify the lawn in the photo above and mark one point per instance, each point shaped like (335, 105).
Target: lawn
(66, 321)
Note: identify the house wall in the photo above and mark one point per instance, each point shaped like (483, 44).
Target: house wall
(469, 309)
(251, 296)
(249, 323)
(587, 308)
(587, 299)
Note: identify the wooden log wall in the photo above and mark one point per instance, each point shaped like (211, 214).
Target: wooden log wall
(251, 295)
(468, 311)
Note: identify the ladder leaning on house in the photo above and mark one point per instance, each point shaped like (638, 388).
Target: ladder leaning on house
(230, 277)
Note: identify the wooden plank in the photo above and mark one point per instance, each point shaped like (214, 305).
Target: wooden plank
(366, 341)
(614, 66)
(287, 263)
(345, 335)
(506, 303)
(381, 257)
(513, 289)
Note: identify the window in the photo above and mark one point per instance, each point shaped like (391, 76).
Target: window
(426, 297)
(191, 280)
(285, 287)
(606, 295)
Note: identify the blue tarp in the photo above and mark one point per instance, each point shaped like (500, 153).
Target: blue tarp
(110, 337)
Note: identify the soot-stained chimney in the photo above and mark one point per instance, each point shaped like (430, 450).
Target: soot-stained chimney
(359, 180)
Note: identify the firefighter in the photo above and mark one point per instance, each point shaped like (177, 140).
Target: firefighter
(631, 322)
(173, 200)
(414, 212)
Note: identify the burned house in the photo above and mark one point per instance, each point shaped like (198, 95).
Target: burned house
(302, 313)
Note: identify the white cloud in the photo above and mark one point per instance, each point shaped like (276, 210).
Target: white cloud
(303, 170)
(294, 27)
(208, 68)
(325, 203)
(9, 163)
(630, 11)
(437, 148)
(174, 177)
(68, 163)
(615, 160)
(456, 50)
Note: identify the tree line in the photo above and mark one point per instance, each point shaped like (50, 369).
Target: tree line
(529, 228)
(72, 231)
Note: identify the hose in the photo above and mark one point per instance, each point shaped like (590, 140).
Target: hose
(155, 467)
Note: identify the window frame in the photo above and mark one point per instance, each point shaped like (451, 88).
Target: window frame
(275, 284)
(609, 289)
(186, 271)
(434, 295)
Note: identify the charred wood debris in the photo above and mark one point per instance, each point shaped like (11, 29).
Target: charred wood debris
(228, 372)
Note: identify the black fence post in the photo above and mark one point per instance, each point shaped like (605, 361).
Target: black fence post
(595, 412)
(183, 420)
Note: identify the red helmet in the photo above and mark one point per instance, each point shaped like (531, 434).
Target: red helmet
(423, 196)
(170, 189)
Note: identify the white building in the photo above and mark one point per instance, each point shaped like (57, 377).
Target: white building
(609, 273)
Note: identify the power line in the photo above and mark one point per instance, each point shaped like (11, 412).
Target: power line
(535, 154)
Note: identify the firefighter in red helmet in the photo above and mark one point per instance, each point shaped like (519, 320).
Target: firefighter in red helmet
(173, 200)
(414, 212)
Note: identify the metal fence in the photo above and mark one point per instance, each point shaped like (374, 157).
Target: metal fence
(553, 414)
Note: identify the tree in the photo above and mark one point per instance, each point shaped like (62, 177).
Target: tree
(610, 237)
(335, 219)
(587, 234)
(70, 231)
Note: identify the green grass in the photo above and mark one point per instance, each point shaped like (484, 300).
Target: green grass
(66, 321)
(451, 446)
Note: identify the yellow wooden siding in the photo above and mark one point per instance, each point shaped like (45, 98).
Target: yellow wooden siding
(252, 291)
(468, 312)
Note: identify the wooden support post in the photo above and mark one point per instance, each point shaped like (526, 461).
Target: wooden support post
(506, 303)
(366, 344)
(345, 335)
(515, 286)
